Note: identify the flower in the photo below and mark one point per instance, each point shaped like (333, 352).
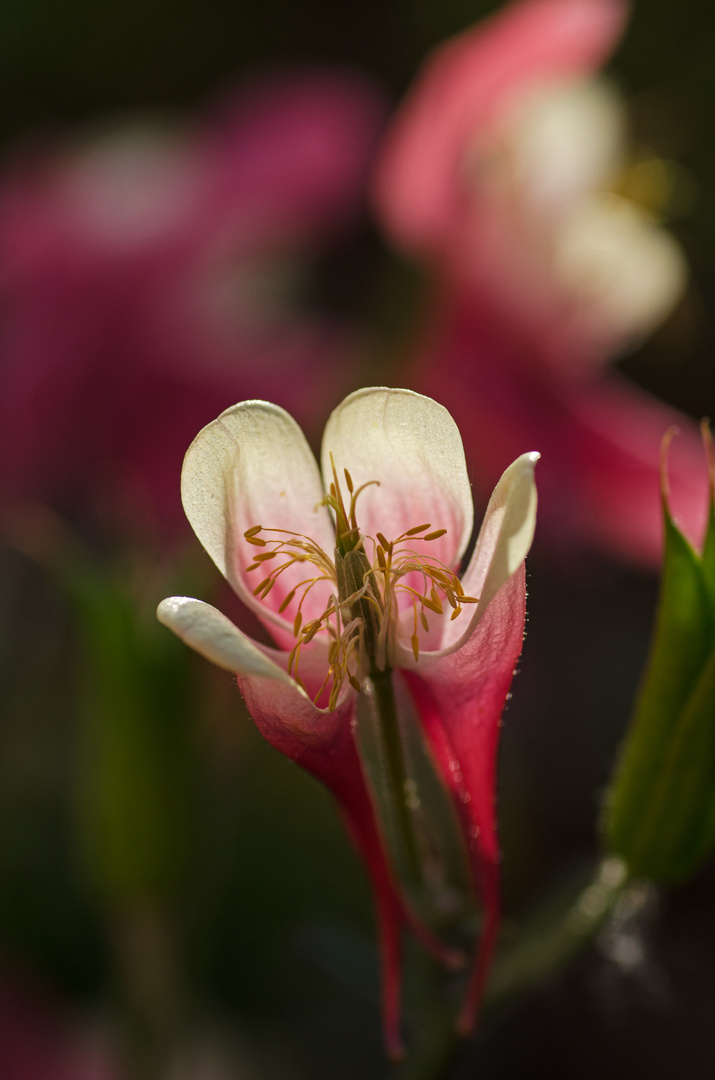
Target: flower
(508, 172)
(155, 270)
(358, 584)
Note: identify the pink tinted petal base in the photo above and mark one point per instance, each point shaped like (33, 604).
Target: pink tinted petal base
(253, 467)
(460, 698)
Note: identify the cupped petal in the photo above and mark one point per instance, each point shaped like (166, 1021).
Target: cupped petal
(502, 545)
(507, 531)
(463, 89)
(207, 631)
(411, 446)
(460, 697)
(253, 467)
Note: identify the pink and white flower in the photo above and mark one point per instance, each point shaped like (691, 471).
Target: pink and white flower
(151, 271)
(356, 577)
(507, 171)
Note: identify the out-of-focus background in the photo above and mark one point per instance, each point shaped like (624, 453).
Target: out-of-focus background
(185, 223)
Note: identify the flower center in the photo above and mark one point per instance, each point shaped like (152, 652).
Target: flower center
(361, 616)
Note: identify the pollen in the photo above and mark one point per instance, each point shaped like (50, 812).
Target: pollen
(375, 582)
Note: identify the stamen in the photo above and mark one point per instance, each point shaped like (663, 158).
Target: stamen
(360, 627)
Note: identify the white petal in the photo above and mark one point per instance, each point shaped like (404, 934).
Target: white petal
(566, 139)
(502, 545)
(215, 637)
(626, 270)
(411, 445)
(253, 466)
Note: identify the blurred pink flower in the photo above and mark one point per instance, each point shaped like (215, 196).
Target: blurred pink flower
(148, 273)
(507, 171)
(363, 622)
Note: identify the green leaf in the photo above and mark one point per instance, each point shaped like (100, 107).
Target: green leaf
(660, 811)
(135, 752)
(709, 549)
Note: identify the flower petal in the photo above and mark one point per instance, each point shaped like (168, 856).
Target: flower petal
(464, 87)
(210, 633)
(412, 447)
(322, 743)
(460, 697)
(507, 531)
(253, 466)
(502, 545)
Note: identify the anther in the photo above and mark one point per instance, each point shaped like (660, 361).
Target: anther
(286, 601)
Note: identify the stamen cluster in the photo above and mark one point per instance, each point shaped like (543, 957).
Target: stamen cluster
(361, 615)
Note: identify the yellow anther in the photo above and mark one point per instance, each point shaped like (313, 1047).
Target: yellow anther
(286, 601)
(358, 629)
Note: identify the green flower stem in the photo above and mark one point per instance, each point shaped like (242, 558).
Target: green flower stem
(554, 936)
(544, 944)
(394, 773)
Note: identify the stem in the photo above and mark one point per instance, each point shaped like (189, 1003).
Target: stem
(546, 942)
(394, 771)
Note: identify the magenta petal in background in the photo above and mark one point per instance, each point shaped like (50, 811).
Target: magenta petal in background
(149, 275)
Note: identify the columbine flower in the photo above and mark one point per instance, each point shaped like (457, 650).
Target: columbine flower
(508, 172)
(358, 583)
(153, 272)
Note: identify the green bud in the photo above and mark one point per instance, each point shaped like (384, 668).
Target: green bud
(660, 809)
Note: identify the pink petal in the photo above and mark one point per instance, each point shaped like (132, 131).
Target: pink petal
(460, 698)
(464, 86)
(322, 743)
(119, 337)
(253, 466)
(599, 439)
(295, 146)
(411, 445)
(618, 431)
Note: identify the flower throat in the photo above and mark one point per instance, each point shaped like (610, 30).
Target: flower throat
(361, 617)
